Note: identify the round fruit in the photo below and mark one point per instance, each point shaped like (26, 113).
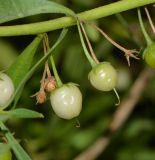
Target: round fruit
(103, 76)
(66, 101)
(149, 55)
(6, 88)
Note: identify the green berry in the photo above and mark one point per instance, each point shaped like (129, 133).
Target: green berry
(66, 101)
(149, 55)
(103, 76)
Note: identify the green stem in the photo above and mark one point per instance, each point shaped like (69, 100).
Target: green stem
(32, 70)
(18, 150)
(147, 37)
(56, 75)
(103, 11)
(90, 59)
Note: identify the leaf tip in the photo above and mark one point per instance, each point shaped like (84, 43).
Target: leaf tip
(41, 116)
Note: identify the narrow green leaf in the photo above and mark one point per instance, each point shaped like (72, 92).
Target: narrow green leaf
(20, 67)
(19, 113)
(18, 150)
(23, 113)
(15, 9)
(31, 71)
(24, 61)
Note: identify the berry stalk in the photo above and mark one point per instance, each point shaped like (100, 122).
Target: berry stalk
(147, 37)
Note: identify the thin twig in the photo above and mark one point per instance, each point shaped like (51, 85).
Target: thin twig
(120, 116)
(128, 52)
(46, 49)
(150, 20)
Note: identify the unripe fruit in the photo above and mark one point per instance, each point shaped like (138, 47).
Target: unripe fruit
(149, 55)
(103, 76)
(66, 101)
(6, 88)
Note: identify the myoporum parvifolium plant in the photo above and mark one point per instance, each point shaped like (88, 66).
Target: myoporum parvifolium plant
(66, 99)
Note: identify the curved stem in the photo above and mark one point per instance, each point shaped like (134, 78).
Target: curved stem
(103, 11)
(109, 39)
(118, 98)
(57, 78)
(89, 44)
(90, 59)
(147, 37)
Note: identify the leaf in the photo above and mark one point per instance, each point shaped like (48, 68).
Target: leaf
(31, 71)
(23, 63)
(24, 113)
(18, 150)
(21, 113)
(15, 9)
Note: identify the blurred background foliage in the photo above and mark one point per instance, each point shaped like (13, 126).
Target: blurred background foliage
(53, 138)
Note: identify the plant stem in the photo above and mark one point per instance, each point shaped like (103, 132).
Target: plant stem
(150, 20)
(147, 37)
(90, 59)
(32, 70)
(89, 44)
(103, 11)
(46, 49)
(109, 39)
(18, 150)
(57, 78)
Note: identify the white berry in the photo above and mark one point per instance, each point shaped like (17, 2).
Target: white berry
(66, 101)
(6, 88)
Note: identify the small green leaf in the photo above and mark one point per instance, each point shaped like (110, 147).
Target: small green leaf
(24, 61)
(24, 113)
(19, 113)
(15, 9)
(21, 66)
(18, 150)
(31, 71)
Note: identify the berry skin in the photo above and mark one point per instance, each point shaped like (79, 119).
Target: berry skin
(6, 88)
(103, 76)
(66, 101)
(149, 55)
